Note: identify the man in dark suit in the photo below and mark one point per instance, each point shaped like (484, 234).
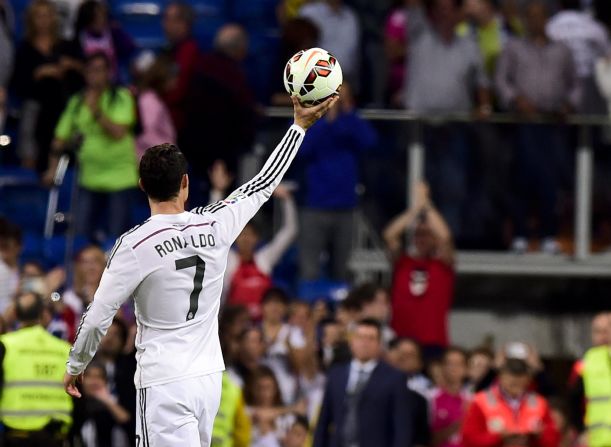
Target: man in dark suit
(366, 403)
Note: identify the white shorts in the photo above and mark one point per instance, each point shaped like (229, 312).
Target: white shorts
(178, 413)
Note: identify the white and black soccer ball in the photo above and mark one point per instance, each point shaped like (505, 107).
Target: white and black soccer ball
(313, 75)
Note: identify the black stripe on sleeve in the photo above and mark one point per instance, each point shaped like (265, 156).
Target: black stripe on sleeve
(272, 168)
(284, 162)
(118, 243)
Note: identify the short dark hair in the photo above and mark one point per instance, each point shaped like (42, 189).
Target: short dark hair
(275, 294)
(397, 341)
(302, 420)
(570, 4)
(29, 312)
(371, 322)
(350, 304)
(161, 170)
(10, 231)
(515, 367)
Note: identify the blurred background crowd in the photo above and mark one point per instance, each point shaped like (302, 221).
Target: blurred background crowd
(315, 355)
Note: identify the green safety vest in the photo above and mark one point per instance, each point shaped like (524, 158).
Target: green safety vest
(33, 394)
(222, 431)
(597, 385)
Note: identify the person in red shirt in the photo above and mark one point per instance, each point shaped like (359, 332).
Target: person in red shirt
(508, 415)
(423, 280)
(177, 25)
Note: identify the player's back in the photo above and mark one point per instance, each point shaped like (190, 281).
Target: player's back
(181, 259)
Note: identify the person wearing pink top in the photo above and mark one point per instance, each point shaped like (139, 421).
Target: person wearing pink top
(395, 38)
(153, 76)
(448, 402)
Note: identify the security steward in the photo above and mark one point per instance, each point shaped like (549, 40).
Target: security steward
(34, 408)
(591, 397)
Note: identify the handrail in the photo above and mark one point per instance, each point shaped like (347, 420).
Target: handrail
(495, 118)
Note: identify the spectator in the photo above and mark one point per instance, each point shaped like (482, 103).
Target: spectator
(396, 43)
(509, 415)
(366, 401)
(220, 104)
(481, 373)
(67, 11)
(251, 349)
(339, 33)
(7, 26)
(445, 72)
(46, 73)
(297, 435)
(98, 123)
(177, 24)
(560, 415)
(334, 348)
(297, 34)
(99, 418)
(593, 388)
(537, 76)
(332, 145)
(449, 402)
(153, 78)
(33, 363)
(249, 268)
(232, 425)
(94, 33)
(285, 344)
(88, 268)
(423, 279)
(588, 41)
(269, 416)
(404, 354)
(375, 303)
(541, 382)
(10, 249)
(601, 336)
(234, 321)
(489, 29)
(120, 368)
(372, 71)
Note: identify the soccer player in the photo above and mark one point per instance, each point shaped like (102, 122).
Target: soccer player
(173, 265)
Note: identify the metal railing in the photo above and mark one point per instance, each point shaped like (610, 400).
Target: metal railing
(470, 262)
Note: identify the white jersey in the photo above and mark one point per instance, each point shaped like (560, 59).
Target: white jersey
(173, 265)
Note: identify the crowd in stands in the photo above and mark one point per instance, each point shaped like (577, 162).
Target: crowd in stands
(374, 368)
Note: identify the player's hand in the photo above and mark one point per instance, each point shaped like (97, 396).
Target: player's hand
(305, 117)
(70, 384)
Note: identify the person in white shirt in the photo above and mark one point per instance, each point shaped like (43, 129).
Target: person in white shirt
(172, 265)
(588, 41)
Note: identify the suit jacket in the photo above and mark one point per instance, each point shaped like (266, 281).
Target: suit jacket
(384, 409)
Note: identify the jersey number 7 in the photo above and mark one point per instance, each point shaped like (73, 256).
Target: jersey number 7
(200, 268)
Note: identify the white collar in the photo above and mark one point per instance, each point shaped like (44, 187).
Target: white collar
(366, 367)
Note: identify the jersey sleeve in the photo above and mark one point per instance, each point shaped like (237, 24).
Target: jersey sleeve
(235, 211)
(119, 280)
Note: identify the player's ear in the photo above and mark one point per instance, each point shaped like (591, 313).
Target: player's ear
(184, 183)
(140, 185)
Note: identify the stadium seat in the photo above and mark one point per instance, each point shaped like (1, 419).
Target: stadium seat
(141, 20)
(210, 15)
(259, 14)
(329, 291)
(25, 204)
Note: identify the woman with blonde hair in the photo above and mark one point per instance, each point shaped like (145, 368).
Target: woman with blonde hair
(46, 73)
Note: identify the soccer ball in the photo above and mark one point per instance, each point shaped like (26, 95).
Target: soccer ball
(313, 75)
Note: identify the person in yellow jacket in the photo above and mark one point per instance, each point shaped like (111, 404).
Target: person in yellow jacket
(232, 427)
(33, 407)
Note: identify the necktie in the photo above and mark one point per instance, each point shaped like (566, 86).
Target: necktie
(350, 431)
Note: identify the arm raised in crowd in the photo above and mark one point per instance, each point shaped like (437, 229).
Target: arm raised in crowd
(423, 206)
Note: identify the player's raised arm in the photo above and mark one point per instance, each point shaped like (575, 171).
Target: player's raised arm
(119, 280)
(241, 205)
